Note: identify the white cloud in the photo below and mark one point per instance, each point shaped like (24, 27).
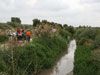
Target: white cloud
(89, 1)
(72, 12)
(31, 2)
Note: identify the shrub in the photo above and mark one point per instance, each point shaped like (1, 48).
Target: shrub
(64, 33)
(40, 54)
(3, 38)
(97, 41)
(87, 33)
(14, 24)
(83, 62)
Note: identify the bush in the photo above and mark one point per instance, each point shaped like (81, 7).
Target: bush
(3, 38)
(97, 41)
(40, 54)
(87, 33)
(64, 33)
(83, 62)
(87, 39)
(14, 24)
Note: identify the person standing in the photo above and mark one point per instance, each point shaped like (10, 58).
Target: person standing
(19, 36)
(23, 35)
(28, 35)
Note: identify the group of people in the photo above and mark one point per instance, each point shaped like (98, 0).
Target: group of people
(22, 35)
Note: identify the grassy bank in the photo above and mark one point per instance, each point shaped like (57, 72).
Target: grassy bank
(38, 55)
(49, 42)
(87, 54)
(84, 64)
(3, 38)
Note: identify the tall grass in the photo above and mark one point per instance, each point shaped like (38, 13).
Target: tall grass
(87, 52)
(3, 38)
(83, 62)
(32, 58)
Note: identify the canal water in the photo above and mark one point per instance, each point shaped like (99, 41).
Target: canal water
(65, 65)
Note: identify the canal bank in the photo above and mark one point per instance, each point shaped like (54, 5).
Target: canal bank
(65, 65)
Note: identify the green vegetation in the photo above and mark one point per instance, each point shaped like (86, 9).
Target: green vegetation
(36, 22)
(87, 61)
(84, 64)
(47, 45)
(49, 41)
(3, 38)
(4, 26)
(15, 22)
(40, 54)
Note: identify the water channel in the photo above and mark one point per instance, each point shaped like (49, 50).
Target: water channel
(65, 65)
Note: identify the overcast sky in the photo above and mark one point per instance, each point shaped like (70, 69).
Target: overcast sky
(71, 12)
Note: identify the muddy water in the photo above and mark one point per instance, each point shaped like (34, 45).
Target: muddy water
(65, 65)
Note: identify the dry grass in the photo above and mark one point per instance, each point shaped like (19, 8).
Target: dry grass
(96, 54)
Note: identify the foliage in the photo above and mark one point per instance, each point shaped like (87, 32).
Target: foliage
(36, 22)
(83, 62)
(65, 26)
(84, 34)
(15, 20)
(4, 26)
(87, 33)
(70, 29)
(3, 38)
(88, 40)
(14, 24)
(30, 59)
(97, 41)
(64, 33)
(78, 32)
(44, 21)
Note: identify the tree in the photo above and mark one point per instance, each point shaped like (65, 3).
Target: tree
(65, 26)
(71, 29)
(36, 22)
(44, 21)
(59, 25)
(15, 20)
